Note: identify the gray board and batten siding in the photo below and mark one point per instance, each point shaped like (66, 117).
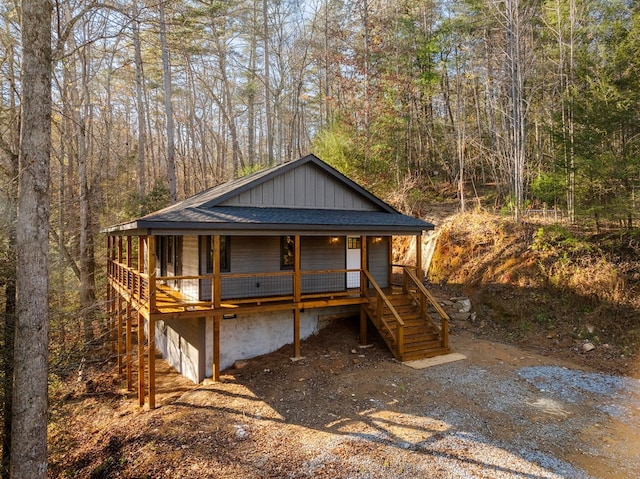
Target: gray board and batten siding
(304, 187)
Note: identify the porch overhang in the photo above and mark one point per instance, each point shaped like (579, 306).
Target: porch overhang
(273, 221)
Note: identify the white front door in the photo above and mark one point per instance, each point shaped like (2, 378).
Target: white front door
(353, 261)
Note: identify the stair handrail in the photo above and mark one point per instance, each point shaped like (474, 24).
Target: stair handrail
(382, 299)
(444, 317)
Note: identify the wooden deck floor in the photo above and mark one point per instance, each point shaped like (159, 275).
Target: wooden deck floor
(174, 304)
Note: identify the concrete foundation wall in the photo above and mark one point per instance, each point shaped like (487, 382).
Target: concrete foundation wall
(248, 336)
(182, 344)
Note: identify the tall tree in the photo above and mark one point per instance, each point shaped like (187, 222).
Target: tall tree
(140, 107)
(168, 105)
(29, 425)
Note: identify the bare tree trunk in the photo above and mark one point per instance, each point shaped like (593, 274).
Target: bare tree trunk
(367, 122)
(86, 259)
(168, 106)
(8, 335)
(11, 149)
(79, 111)
(29, 417)
(227, 101)
(251, 96)
(267, 82)
(139, 102)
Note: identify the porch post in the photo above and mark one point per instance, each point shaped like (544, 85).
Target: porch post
(423, 303)
(216, 293)
(419, 256)
(151, 260)
(390, 260)
(141, 241)
(119, 260)
(126, 281)
(296, 296)
(363, 290)
(216, 282)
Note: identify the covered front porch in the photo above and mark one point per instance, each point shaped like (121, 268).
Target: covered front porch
(138, 298)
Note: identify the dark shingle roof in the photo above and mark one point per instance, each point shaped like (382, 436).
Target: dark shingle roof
(204, 211)
(231, 217)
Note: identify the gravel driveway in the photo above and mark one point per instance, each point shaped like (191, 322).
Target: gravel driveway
(357, 413)
(347, 412)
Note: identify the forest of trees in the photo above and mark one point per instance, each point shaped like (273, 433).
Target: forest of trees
(535, 101)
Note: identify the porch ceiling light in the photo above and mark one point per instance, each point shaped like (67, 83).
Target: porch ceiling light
(377, 240)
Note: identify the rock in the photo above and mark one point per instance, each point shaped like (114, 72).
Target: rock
(460, 316)
(241, 432)
(588, 346)
(461, 304)
(240, 364)
(446, 302)
(590, 328)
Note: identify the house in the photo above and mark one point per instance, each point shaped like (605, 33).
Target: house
(248, 266)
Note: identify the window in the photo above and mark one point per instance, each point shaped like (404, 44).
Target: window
(353, 242)
(225, 257)
(287, 252)
(170, 253)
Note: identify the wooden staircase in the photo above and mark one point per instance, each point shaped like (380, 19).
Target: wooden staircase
(406, 319)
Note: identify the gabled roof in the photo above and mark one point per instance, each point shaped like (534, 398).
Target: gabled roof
(230, 206)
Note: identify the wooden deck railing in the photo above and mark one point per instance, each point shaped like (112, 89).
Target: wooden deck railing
(130, 281)
(394, 329)
(182, 291)
(414, 287)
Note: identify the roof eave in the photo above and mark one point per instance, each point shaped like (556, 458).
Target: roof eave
(172, 227)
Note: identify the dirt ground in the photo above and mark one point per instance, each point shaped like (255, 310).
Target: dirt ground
(350, 412)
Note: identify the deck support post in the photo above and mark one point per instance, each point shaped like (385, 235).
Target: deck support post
(297, 296)
(129, 348)
(216, 348)
(363, 325)
(296, 333)
(140, 360)
(151, 353)
(111, 311)
(119, 331)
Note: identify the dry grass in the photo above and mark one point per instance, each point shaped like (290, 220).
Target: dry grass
(532, 276)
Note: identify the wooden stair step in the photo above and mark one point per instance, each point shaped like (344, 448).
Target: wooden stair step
(422, 345)
(425, 354)
(420, 336)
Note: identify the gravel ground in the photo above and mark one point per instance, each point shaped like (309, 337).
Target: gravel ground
(346, 412)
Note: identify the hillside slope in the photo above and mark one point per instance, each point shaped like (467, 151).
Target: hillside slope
(549, 286)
